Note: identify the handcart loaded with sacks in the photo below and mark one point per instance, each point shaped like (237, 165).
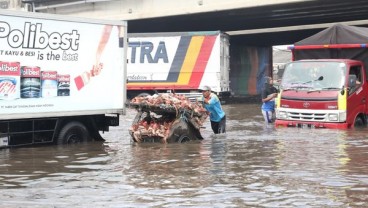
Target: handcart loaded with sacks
(167, 118)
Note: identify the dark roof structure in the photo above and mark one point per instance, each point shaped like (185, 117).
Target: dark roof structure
(337, 34)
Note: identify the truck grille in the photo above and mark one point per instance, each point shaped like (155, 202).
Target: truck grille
(307, 116)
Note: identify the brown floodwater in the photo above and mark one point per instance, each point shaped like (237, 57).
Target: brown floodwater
(252, 165)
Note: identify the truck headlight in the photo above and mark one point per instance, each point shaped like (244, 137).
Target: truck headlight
(281, 115)
(333, 117)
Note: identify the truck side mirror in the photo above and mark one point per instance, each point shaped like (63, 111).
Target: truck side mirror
(342, 92)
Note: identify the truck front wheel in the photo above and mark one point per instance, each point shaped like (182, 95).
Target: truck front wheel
(72, 133)
(359, 122)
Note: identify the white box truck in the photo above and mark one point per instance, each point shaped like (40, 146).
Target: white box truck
(62, 79)
(180, 62)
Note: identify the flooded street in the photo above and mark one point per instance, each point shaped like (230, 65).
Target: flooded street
(250, 166)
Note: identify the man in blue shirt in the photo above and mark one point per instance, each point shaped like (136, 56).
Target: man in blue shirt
(213, 105)
(269, 93)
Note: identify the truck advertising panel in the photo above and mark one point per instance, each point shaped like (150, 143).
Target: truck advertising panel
(55, 66)
(178, 61)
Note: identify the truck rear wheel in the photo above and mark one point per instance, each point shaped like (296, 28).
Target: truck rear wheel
(72, 133)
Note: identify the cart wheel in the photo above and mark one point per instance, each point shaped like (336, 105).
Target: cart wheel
(72, 133)
(144, 94)
(183, 139)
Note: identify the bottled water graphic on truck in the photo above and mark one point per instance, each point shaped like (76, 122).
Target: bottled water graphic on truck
(9, 80)
(49, 83)
(30, 82)
(63, 85)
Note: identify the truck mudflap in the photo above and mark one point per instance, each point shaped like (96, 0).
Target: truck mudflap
(311, 125)
(158, 120)
(112, 120)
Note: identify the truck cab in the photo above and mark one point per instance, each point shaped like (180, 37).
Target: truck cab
(322, 93)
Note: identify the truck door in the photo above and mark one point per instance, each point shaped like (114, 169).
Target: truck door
(356, 102)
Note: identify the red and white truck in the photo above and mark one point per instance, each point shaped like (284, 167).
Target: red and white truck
(325, 86)
(180, 62)
(62, 79)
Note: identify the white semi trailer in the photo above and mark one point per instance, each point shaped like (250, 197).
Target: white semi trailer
(180, 62)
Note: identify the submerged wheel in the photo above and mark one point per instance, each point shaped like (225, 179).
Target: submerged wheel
(358, 123)
(143, 94)
(131, 96)
(183, 138)
(72, 133)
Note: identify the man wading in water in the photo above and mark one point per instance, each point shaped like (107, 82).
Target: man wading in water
(269, 93)
(213, 105)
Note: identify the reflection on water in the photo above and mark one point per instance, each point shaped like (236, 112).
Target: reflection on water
(24, 166)
(251, 166)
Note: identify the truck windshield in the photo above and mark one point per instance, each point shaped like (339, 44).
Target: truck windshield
(316, 75)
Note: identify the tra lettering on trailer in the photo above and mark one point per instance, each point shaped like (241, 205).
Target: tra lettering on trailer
(147, 52)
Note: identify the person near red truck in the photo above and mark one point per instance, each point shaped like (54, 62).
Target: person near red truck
(213, 105)
(269, 93)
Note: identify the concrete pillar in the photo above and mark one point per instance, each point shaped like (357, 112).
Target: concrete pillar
(11, 4)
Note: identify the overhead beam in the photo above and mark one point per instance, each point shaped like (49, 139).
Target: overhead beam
(143, 9)
(294, 28)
